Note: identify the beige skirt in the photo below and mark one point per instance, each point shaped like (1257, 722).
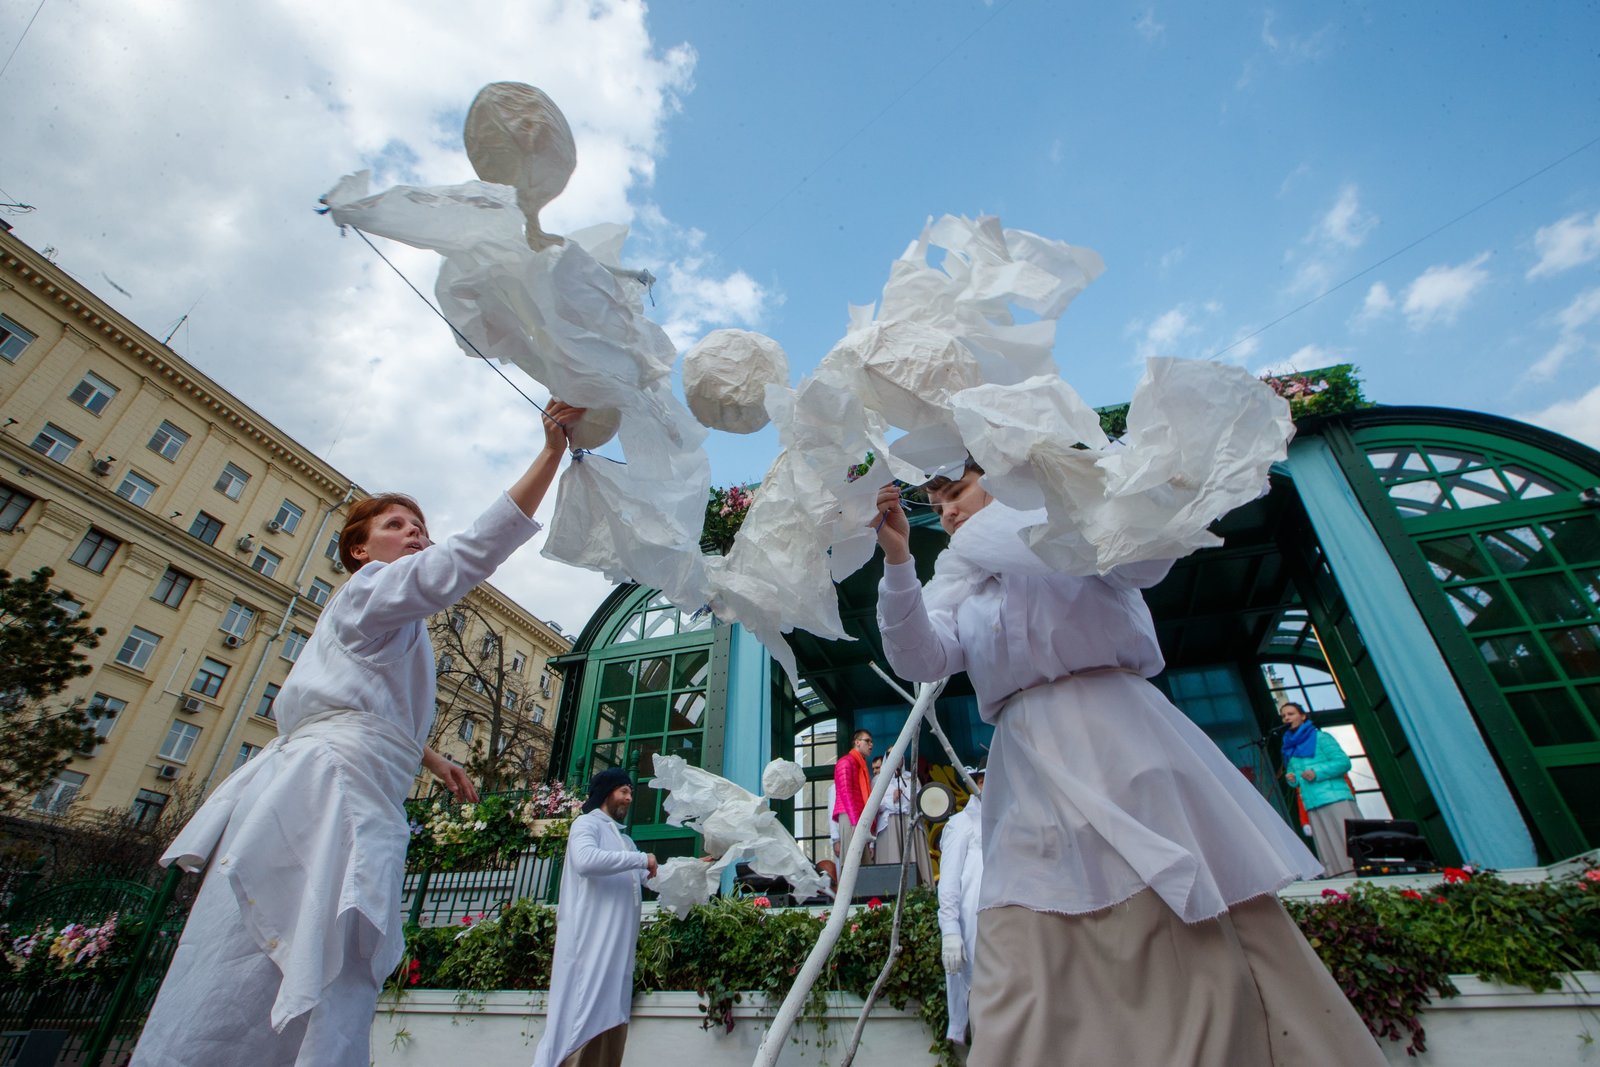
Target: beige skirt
(1134, 984)
(1327, 830)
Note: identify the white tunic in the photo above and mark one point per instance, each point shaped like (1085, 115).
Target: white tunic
(1098, 787)
(960, 881)
(310, 835)
(597, 932)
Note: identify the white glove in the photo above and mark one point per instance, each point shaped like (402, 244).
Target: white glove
(952, 953)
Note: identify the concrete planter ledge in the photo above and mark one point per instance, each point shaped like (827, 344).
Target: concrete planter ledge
(1488, 1025)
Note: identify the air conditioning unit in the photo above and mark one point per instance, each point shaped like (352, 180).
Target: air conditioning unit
(191, 706)
(232, 640)
(338, 567)
(245, 543)
(167, 771)
(102, 467)
(273, 526)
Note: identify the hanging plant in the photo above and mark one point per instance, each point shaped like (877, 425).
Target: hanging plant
(725, 513)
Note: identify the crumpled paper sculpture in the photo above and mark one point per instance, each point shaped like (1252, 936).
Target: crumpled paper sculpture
(736, 826)
(942, 358)
(725, 379)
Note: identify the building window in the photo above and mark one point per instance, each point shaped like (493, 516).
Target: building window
(180, 741)
(205, 527)
(544, 683)
(168, 441)
(13, 505)
(59, 793)
(231, 482)
(474, 683)
(136, 489)
(93, 393)
(332, 551)
(490, 642)
(95, 551)
(319, 592)
(172, 587)
(238, 619)
(266, 563)
(72, 607)
(659, 618)
(466, 729)
(289, 516)
(208, 679)
(136, 650)
(268, 695)
(55, 442)
(246, 753)
(538, 714)
(458, 621)
(146, 809)
(518, 662)
(103, 712)
(509, 699)
(293, 642)
(447, 663)
(1429, 479)
(13, 339)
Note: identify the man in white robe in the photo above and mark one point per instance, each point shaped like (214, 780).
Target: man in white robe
(960, 878)
(597, 932)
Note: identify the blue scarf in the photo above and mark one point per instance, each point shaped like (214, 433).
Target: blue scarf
(1301, 741)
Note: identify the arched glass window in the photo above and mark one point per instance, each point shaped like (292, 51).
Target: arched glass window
(657, 617)
(1425, 479)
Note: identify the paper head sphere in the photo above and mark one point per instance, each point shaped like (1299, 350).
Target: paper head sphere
(515, 135)
(725, 379)
(597, 426)
(782, 779)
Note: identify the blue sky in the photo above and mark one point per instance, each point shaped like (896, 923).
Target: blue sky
(1229, 162)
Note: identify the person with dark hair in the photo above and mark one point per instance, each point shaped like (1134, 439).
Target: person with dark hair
(1128, 912)
(1316, 765)
(852, 784)
(298, 921)
(597, 932)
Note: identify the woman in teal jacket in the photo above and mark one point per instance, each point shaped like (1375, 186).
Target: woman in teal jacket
(1315, 764)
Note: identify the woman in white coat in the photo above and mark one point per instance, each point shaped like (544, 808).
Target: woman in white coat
(298, 921)
(960, 879)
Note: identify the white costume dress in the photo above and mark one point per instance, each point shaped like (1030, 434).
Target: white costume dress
(960, 881)
(298, 921)
(597, 933)
(1098, 787)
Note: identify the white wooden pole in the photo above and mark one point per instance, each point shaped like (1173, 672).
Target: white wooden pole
(778, 1033)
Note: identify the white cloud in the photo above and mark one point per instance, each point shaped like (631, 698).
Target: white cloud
(1163, 335)
(1171, 258)
(1307, 357)
(1440, 293)
(1572, 322)
(1345, 224)
(1290, 179)
(196, 179)
(1571, 242)
(1578, 418)
(1292, 47)
(1148, 26)
(1378, 303)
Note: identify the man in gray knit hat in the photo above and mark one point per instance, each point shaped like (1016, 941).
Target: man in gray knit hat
(597, 932)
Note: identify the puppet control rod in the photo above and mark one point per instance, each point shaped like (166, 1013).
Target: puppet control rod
(778, 1033)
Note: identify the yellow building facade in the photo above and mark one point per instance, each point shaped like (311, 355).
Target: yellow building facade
(197, 533)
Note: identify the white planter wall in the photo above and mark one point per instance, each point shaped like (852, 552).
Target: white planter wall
(1488, 1025)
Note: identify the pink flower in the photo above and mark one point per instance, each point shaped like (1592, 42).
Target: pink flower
(1334, 894)
(762, 902)
(854, 927)
(1592, 875)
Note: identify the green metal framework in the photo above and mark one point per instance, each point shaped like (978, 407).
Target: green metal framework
(655, 680)
(1489, 527)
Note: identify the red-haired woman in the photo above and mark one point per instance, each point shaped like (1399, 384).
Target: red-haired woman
(298, 921)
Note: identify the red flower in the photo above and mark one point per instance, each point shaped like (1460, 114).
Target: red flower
(1334, 894)
(1456, 874)
(762, 902)
(1592, 875)
(1411, 894)
(874, 903)
(416, 979)
(466, 920)
(1440, 900)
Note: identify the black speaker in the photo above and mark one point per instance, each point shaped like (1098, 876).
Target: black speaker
(1387, 846)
